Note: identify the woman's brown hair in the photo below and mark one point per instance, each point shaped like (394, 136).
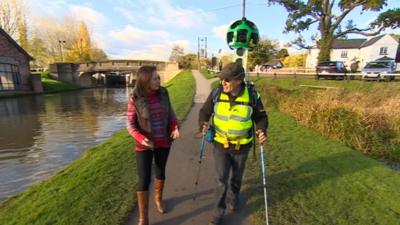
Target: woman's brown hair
(142, 84)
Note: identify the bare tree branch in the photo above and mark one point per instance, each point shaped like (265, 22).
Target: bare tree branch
(11, 13)
(359, 31)
(345, 13)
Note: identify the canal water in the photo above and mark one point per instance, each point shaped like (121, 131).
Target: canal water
(40, 134)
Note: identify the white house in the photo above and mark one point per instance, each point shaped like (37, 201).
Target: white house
(364, 50)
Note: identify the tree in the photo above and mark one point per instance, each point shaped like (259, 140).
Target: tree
(22, 33)
(396, 36)
(11, 13)
(40, 53)
(47, 42)
(189, 61)
(176, 54)
(298, 60)
(226, 59)
(47, 39)
(262, 53)
(330, 18)
(81, 45)
(282, 53)
(97, 54)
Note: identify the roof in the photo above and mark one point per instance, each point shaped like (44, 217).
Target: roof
(384, 58)
(356, 43)
(17, 46)
(347, 43)
(273, 62)
(396, 38)
(372, 41)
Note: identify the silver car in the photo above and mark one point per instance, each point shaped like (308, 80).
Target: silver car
(379, 70)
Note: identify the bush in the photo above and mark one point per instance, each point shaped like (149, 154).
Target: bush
(351, 117)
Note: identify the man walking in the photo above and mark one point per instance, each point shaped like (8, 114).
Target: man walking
(233, 107)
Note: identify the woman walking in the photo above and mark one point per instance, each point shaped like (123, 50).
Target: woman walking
(153, 125)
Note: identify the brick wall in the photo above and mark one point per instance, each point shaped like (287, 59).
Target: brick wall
(10, 54)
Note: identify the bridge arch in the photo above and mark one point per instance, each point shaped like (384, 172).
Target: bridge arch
(84, 74)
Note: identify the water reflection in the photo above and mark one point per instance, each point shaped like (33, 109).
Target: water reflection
(39, 134)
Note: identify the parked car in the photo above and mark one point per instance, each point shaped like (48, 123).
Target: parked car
(379, 70)
(331, 70)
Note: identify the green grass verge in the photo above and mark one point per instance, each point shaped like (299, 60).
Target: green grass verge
(351, 85)
(52, 86)
(182, 89)
(49, 86)
(314, 180)
(207, 74)
(363, 115)
(98, 188)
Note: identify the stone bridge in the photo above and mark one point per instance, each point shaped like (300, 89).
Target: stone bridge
(90, 74)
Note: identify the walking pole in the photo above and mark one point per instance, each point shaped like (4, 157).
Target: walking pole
(202, 146)
(264, 183)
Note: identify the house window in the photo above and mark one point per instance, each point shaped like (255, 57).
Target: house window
(343, 54)
(383, 51)
(9, 77)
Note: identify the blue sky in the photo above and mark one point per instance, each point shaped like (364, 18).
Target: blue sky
(147, 29)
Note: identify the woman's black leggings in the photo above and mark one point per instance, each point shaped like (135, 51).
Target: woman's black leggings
(144, 161)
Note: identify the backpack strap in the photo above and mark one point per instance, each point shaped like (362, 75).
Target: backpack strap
(253, 95)
(215, 94)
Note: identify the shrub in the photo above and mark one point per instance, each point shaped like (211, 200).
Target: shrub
(369, 122)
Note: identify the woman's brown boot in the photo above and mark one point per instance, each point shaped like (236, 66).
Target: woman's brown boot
(158, 192)
(143, 204)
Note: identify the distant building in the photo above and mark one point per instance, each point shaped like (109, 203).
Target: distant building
(14, 65)
(363, 50)
(272, 64)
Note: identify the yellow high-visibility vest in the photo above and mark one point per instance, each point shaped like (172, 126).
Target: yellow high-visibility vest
(233, 124)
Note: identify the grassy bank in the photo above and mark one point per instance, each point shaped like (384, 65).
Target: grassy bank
(314, 180)
(98, 188)
(49, 86)
(207, 74)
(363, 115)
(52, 86)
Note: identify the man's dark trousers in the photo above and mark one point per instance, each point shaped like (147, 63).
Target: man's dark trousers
(225, 162)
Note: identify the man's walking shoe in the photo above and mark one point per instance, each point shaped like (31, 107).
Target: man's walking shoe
(216, 220)
(233, 206)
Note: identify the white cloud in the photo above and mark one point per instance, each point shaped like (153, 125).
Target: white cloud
(135, 43)
(91, 17)
(100, 41)
(135, 36)
(152, 52)
(129, 14)
(220, 31)
(44, 7)
(163, 13)
(132, 35)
